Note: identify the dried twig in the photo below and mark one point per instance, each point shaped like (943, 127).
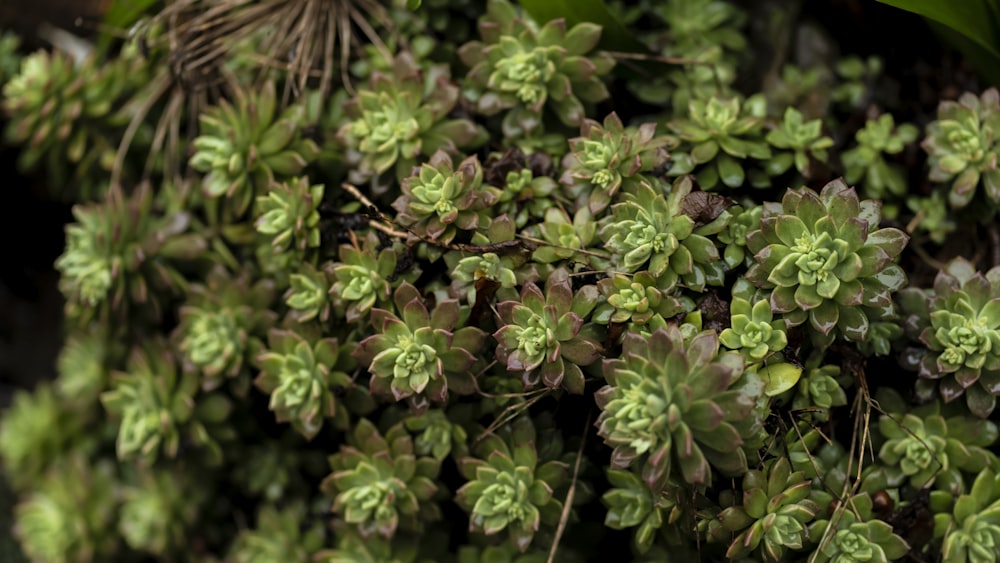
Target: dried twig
(568, 503)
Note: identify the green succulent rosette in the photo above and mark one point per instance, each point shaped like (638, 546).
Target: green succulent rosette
(636, 299)
(649, 231)
(69, 517)
(222, 323)
(543, 337)
(380, 485)
(632, 504)
(798, 142)
(365, 275)
(716, 135)
(958, 324)
(961, 146)
(308, 293)
(288, 214)
(121, 258)
(442, 198)
(968, 526)
(825, 261)
(247, 145)
(773, 516)
(508, 489)
(925, 449)
(866, 161)
(420, 354)
(300, 373)
(522, 68)
(154, 404)
(278, 536)
(608, 157)
(400, 116)
(853, 534)
(753, 332)
(677, 406)
(66, 114)
(159, 508)
(744, 220)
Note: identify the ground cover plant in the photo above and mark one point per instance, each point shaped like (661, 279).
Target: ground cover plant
(354, 280)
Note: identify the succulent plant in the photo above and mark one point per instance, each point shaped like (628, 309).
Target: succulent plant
(380, 485)
(922, 448)
(853, 534)
(67, 518)
(351, 547)
(866, 163)
(154, 402)
(66, 114)
(523, 68)
(442, 198)
(245, 147)
(649, 231)
(420, 354)
(632, 504)
(221, 324)
(565, 237)
(507, 489)
(288, 213)
(959, 326)
(932, 215)
(526, 192)
(820, 390)
(365, 275)
(826, 261)
(669, 401)
(278, 536)
(701, 24)
(119, 255)
(36, 430)
(744, 220)
(753, 332)
(797, 141)
(83, 367)
(635, 299)
(774, 513)
(300, 373)
(505, 267)
(604, 159)
(438, 436)
(542, 336)
(308, 294)
(716, 135)
(856, 78)
(970, 524)
(961, 147)
(158, 509)
(401, 116)
(10, 60)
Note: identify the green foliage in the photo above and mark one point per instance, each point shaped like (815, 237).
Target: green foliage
(407, 273)
(508, 489)
(774, 513)
(543, 337)
(380, 485)
(247, 145)
(717, 134)
(866, 163)
(300, 373)
(825, 260)
(402, 115)
(852, 533)
(669, 401)
(958, 325)
(520, 68)
(962, 149)
(605, 159)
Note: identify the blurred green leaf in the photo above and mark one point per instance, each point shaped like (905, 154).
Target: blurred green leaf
(977, 20)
